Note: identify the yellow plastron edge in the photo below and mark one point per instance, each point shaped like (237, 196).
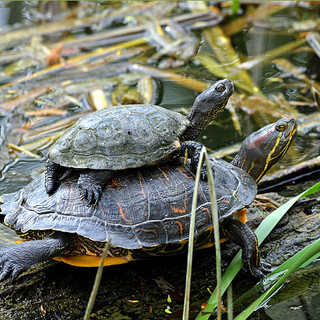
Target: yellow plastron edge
(91, 261)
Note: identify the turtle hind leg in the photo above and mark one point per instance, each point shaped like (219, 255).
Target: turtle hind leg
(91, 183)
(240, 234)
(26, 255)
(53, 174)
(193, 149)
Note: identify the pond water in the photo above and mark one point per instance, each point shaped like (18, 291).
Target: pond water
(269, 85)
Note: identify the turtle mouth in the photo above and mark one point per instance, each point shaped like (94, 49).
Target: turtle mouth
(230, 87)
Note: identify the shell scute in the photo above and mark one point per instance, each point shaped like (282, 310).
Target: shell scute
(149, 207)
(119, 137)
(149, 232)
(130, 241)
(84, 142)
(177, 229)
(94, 229)
(110, 129)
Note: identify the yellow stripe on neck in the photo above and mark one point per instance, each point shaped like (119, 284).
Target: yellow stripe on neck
(269, 157)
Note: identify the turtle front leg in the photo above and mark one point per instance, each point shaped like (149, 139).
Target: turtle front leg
(26, 255)
(91, 183)
(240, 234)
(52, 175)
(193, 150)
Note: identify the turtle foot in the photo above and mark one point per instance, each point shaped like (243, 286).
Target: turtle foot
(91, 183)
(10, 264)
(260, 271)
(257, 273)
(27, 255)
(91, 193)
(265, 267)
(53, 174)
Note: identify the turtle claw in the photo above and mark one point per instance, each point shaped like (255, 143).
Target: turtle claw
(265, 266)
(91, 194)
(4, 273)
(97, 194)
(24, 256)
(53, 175)
(90, 197)
(8, 267)
(83, 193)
(91, 183)
(262, 270)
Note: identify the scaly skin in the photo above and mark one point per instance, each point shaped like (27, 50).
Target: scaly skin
(92, 182)
(207, 106)
(27, 255)
(53, 174)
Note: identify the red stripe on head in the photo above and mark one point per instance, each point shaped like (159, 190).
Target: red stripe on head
(257, 142)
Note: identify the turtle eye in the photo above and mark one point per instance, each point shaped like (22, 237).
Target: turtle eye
(220, 88)
(281, 127)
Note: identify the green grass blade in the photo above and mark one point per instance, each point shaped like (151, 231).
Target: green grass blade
(230, 302)
(235, 6)
(275, 275)
(215, 220)
(270, 222)
(262, 231)
(294, 263)
(96, 284)
(186, 304)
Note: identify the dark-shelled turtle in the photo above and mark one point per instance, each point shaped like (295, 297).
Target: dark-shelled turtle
(131, 136)
(144, 212)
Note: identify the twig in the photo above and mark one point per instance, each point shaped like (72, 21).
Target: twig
(96, 283)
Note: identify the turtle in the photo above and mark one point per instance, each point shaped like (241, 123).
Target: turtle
(143, 212)
(131, 136)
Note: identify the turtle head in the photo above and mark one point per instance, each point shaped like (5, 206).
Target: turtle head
(263, 148)
(207, 106)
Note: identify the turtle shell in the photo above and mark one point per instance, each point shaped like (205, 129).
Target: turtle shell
(143, 207)
(120, 137)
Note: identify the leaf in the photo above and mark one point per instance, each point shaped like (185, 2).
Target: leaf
(262, 232)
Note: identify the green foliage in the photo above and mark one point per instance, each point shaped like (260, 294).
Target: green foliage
(215, 220)
(235, 6)
(301, 259)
